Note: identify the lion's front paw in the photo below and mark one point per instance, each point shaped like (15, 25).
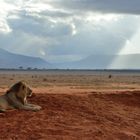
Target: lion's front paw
(2, 110)
(37, 108)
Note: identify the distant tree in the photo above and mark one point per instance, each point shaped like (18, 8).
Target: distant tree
(21, 67)
(29, 68)
(35, 68)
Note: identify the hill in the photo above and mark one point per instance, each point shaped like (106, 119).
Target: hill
(12, 60)
(129, 61)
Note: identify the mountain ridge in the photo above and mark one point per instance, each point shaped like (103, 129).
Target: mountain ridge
(98, 61)
(105, 61)
(13, 60)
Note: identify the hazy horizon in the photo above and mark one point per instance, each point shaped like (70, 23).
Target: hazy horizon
(64, 31)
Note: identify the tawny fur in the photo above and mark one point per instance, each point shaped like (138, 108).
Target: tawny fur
(16, 98)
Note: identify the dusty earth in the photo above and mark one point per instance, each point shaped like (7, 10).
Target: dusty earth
(76, 106)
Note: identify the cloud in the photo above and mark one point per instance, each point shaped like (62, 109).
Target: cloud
(98, 37)
(5, 8)
(40, 24)
(67, 30)
(108, 6)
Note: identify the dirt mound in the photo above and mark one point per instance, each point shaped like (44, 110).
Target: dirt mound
(64, 116)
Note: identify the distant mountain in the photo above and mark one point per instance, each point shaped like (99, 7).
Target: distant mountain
(130, 61)
(11, 60)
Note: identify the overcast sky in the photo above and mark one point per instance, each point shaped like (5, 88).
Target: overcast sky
(65, 30)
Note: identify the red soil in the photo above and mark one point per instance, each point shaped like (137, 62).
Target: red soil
(89, 116)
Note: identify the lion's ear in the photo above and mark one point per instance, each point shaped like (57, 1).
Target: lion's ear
(23, 87)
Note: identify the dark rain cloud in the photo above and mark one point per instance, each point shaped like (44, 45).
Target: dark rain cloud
(104, 6)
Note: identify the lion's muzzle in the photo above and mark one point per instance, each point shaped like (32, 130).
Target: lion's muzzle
(30, 93)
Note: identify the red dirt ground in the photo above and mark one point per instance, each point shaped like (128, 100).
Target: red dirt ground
(89, 116)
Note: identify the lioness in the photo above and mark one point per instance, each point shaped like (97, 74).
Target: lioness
(16, 98)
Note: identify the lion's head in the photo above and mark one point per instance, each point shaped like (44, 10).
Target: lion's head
(21, 91)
